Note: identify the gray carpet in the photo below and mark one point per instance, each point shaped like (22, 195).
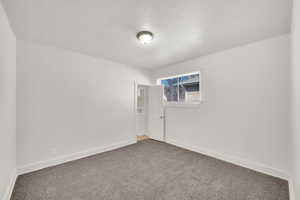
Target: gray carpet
(149, 170)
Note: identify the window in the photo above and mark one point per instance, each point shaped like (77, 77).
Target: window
(182, 88)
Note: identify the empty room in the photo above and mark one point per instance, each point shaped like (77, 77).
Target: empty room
(149, 100)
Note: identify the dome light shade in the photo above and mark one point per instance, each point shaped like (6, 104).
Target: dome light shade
(145, 37)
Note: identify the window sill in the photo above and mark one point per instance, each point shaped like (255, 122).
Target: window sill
(183, 105)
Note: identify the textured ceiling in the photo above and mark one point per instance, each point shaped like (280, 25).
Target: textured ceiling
(183, 29)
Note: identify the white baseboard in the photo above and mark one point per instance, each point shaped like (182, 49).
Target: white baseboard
(291, 189)
(10, 187)
(71, 157)
(234, 160)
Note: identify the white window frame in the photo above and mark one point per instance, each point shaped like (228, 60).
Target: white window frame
(178, 103)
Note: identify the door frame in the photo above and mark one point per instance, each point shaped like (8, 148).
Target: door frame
(136, 84)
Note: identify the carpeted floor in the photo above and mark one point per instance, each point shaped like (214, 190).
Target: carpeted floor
(149, 170)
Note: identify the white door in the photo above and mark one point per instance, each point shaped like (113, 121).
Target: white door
(156, 113)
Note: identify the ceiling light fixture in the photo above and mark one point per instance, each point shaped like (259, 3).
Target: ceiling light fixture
(145, 37)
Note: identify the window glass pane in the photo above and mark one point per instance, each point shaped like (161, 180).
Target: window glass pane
(189, 88)
(170, 89)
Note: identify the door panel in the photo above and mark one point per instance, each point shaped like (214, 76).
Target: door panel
(156, 113)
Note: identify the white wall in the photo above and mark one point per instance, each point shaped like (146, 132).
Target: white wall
(296, 96)
(7, 104)
(245, 113)
(68, 102)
